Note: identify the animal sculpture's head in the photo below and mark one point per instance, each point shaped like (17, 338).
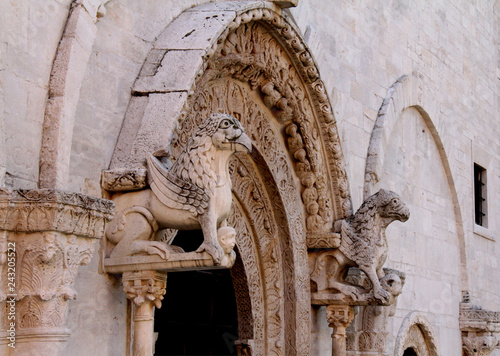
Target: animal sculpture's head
(226, 133)
(391, 207)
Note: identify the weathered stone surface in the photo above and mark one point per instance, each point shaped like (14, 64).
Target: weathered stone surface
(174, 74)
(51, 234)
(362, 244)
(195, 192)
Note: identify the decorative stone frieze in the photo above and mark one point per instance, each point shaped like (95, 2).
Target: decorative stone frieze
(52, 233)
(480, 330)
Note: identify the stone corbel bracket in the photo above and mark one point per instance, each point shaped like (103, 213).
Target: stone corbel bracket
(480, 330)
(52, 232)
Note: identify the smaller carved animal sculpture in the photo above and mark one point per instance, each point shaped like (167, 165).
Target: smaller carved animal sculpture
(195, 193)
(363, 245)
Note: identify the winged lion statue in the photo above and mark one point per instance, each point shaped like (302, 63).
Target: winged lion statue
(195, 193)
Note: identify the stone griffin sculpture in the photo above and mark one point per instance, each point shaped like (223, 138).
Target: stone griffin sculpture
(195, 193)
(363, 245)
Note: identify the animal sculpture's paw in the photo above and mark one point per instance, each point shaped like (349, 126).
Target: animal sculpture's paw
(351, 291)
(152, 248)
(382, 295)
(214, 250)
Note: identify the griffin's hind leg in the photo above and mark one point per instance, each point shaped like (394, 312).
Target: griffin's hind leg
(132, 230)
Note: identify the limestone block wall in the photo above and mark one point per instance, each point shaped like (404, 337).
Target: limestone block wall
(29, 34)
(361, 48)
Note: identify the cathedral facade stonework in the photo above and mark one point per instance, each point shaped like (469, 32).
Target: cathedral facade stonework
(341, 161)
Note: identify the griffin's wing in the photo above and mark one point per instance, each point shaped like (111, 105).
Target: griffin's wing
(173, 191)
(354, 246)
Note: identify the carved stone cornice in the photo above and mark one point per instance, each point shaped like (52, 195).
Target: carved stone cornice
(52, 233)
(480, 330)
(37, 210)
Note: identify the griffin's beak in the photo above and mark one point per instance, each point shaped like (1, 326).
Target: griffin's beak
(244, 144)
(405, 215)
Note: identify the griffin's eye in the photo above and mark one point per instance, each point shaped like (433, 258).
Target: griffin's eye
(225, 124)
(395, 201)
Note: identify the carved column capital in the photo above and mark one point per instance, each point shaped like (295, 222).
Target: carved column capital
(141, 286)
(480, 330)
(479, 345)
(48, 235)
(339, 317)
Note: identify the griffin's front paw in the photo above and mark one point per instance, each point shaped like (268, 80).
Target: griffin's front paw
(152, 248)
(382, 295)
(213, 250)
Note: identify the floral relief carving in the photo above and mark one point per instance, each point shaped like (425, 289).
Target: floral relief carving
(140, 286)
(54, 233)
(249, 192)
(247, 245)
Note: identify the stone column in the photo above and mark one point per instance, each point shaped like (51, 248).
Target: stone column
(48, 234)
(339, 317)
(146, 289)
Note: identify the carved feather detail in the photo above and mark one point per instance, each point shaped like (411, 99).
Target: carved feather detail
(175, 192)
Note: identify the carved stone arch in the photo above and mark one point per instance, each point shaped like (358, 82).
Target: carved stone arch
(416, 332)
(248, 59)
(409, 92)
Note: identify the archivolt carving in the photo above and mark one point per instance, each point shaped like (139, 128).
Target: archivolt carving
(258, 69)
(248, 247)
(413, 330)
(231, 96)
(251, 55)
(248, 189)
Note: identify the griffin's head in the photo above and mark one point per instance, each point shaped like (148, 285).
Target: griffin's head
(226, 133)
(391, 207)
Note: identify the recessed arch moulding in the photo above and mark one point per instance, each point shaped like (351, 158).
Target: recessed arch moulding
(410, 92)
(248, 60)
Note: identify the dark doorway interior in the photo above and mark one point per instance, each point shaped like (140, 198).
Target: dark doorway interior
(410, 352)
(198, 315)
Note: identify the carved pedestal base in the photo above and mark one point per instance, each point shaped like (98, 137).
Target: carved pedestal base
(45, 236)
(146, 289)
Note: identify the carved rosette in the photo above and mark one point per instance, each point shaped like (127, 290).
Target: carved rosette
(141, 286)
(53, 233)
(480, 330)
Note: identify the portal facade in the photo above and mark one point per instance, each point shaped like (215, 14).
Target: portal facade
(276, 140)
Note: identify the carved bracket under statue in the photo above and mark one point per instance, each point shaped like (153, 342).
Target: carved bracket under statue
(352, 274)
(51, 233)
